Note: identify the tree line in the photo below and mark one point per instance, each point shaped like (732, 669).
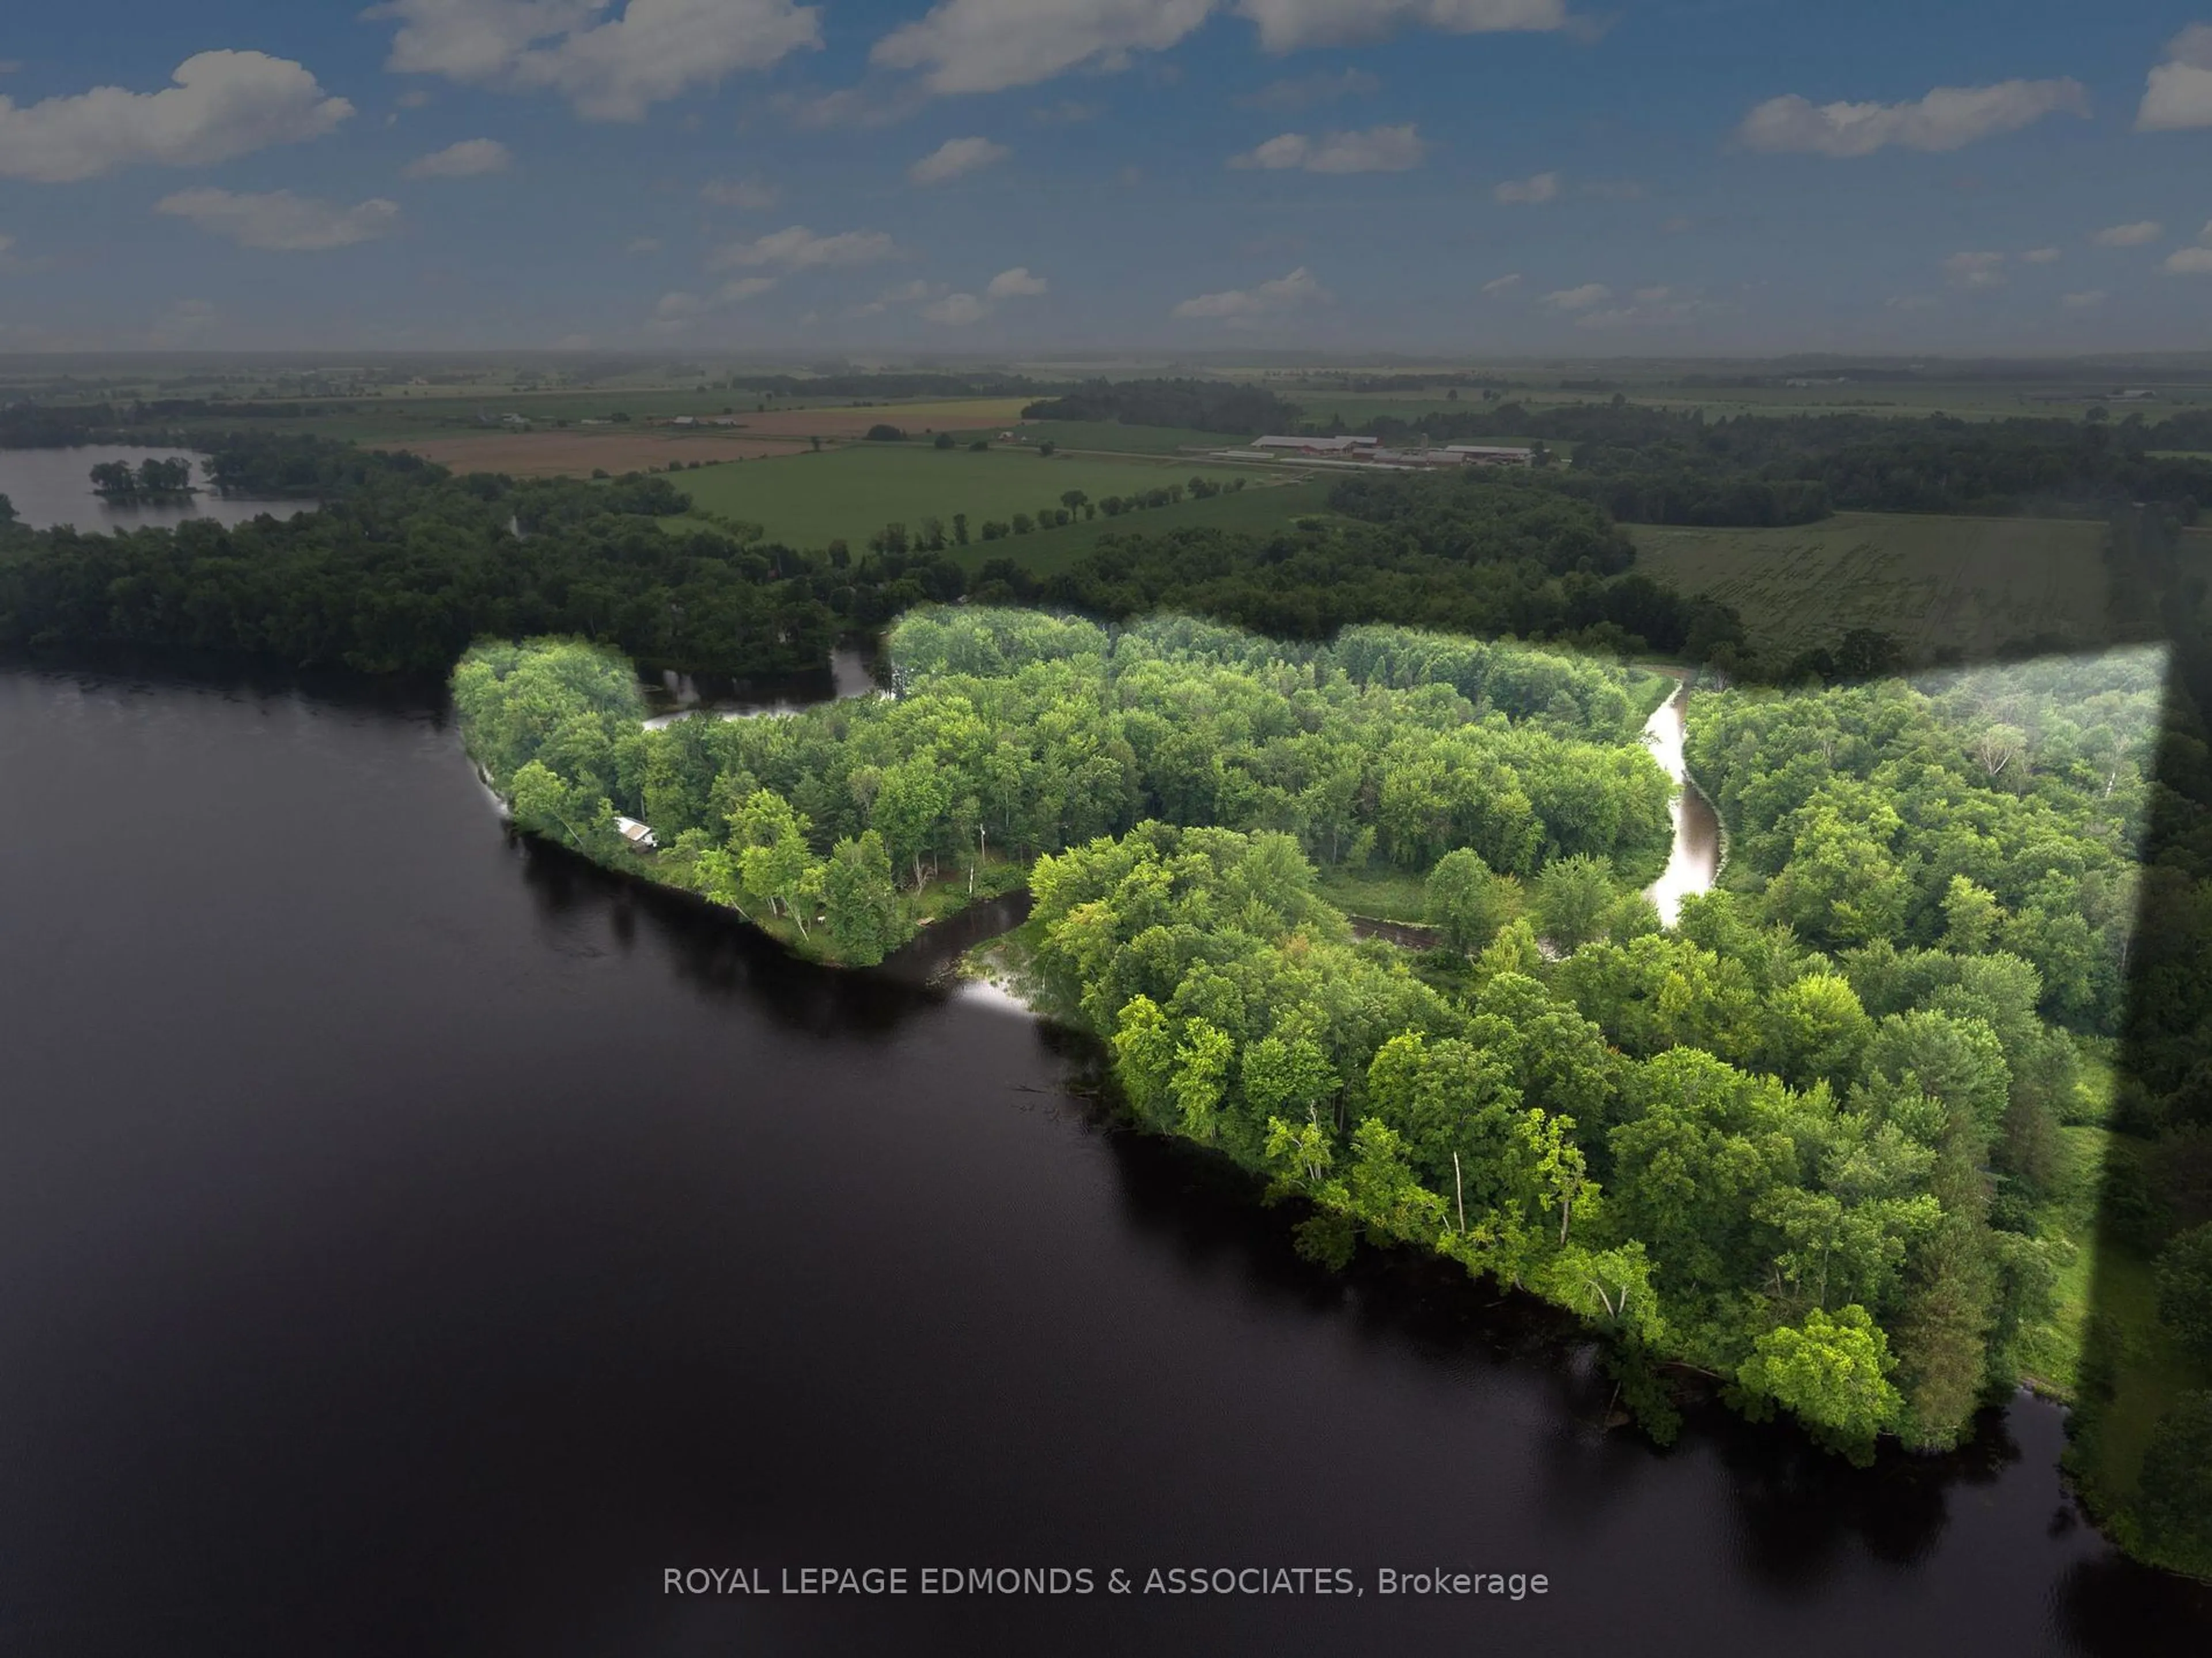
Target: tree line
(1200, 405)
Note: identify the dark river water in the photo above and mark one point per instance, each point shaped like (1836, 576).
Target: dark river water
(412, 1243)
(54, 486)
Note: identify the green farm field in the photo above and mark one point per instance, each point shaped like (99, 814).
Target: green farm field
(1935, 584)
(848, 494)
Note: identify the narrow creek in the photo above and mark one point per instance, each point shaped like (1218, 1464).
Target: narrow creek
(1694, 863)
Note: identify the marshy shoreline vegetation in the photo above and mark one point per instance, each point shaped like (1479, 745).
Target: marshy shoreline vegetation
(1824, 1143)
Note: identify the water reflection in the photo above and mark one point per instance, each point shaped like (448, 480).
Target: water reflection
(54, 486)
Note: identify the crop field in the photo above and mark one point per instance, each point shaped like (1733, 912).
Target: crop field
(807, 500)
(1260, 507)
(1933, 584)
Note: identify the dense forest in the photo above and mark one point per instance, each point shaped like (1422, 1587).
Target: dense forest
(406, 563)
(1193, 404)
(1018, 735)
(1461, 553)
(1809, 1141)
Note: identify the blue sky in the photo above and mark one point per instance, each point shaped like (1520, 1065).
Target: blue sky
(1016, 176)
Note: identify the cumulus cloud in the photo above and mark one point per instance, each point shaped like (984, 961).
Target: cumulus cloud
(1285, 97)
(469, 158)
(1975, 271)
(2191, 261)
(954, 157)
(1250, 308)
(988, 45)
(1293, 25)
(739, 192)
(677, 311)
(1578, 299)
(223, 104)
(2140, 234)
(797, 248)
(1948, 118)
(955, 310)
(2040, 256)
(1541, 188)
(1016, 284)
(2179, 93)
(1378, 150)
(1505, 284)
(610, 67)
(1648, 307)
(281, 222)
(2088, 301)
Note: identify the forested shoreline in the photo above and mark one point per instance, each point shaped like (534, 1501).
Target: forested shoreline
(1814, 1141)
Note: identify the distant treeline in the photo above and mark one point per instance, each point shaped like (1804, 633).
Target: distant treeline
(890, 385)
(1197, 405)
(1657, 465)
(1485, 555)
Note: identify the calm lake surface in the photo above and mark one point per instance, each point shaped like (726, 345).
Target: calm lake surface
(412, 1243)
(54, 486)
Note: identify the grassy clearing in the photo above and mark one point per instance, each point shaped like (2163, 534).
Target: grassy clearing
(1377, 891)
(1932, 583)
(1260, 507)
(848, 494)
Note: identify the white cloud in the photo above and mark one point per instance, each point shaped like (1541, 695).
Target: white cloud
(1578, 299)
(644, 244)
(912, 293)
(466, 159)
(2140, 234)
(797, 248)
(2179, 93)
(1542, 188)
(1285, 96)
(2088, 301)
(1975, 272)
(1248, 307)
(1503, 284)
(224, 104)
(2040, 256)
(2189, 262)
(739, 192)
(1293, 25)
(955, 310)
(281, 222)
(610, 67)
(1378, 150)
(1016, 283)
(1649, 307)
(954, 157)
(677, 312)
(1948, 118)
(988, 45)
(415, 100)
